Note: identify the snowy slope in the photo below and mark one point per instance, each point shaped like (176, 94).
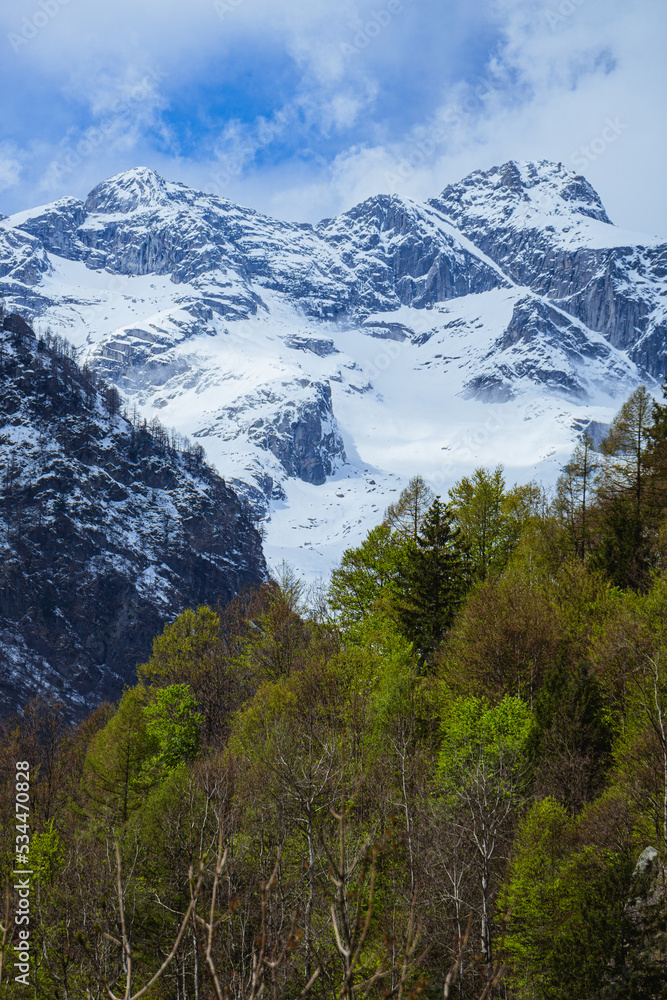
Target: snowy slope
(323, 366)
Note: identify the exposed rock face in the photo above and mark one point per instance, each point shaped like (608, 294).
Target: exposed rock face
(534, 220)
(640, 971)
(303, 437)
(401, 256)
(542, 345)
(107, 530)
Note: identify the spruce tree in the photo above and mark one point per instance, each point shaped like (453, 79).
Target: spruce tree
(429, 587)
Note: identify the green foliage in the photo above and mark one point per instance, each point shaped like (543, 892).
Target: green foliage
(623, 547)
(486, 743)
(506, 637)
(511, 783)
(429, 587)
(574, 492)
(405, 518)
(47, 855)
(573, 736)
(626, 445)
(116, 771)
(565, 906)
(364, 576)
(173, 723)
(621, 552)
(184, 649)
(490, 519)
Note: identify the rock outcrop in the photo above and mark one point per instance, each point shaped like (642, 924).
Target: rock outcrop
(639, 972)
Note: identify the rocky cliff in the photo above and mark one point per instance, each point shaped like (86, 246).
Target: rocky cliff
(108, 528)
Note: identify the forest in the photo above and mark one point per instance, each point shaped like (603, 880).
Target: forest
(442, 775)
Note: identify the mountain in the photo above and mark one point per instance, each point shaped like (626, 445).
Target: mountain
(108, 529)
(320, 366)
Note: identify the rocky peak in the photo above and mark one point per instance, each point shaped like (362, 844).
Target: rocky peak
(546, 188)
(133, 190)
(56, 226)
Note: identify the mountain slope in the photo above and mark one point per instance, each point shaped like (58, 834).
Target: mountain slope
(321, 366)
(107, 529)
(548, 230)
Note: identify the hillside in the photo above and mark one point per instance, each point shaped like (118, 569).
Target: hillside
(108, 528)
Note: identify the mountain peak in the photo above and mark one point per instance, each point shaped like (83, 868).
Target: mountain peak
(544, 186)
(139, 188)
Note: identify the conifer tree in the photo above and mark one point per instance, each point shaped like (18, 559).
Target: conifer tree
(574, 490)
(429, 587)
(491, 518)
(622, 492)
(405, 517)
(626, 446)
(656, 459)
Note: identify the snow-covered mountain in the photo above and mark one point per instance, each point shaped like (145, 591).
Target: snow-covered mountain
(108, 529)
(323, 365)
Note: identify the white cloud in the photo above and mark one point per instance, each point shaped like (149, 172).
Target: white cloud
(10, 167)
(544, 89)
(549, 92)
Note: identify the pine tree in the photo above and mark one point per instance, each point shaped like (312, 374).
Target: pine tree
(429, 587)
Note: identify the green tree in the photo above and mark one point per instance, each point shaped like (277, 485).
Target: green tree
(483, 771)
(406, 516)
(574, 493)
(573, 736)
(173, 722)
(115, 766)
(204, 650)
(490, 518)
(504, 640)
(183, 652)
(364, 575)
(626, 447)
(565, 906)
(623, 551)
(429, 586)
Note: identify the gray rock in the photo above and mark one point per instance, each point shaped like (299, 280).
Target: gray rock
(304, 436)
(402, 255)
(612, 290)
(639, 971)
(543, 346)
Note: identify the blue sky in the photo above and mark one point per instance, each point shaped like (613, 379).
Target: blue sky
(302, 108)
